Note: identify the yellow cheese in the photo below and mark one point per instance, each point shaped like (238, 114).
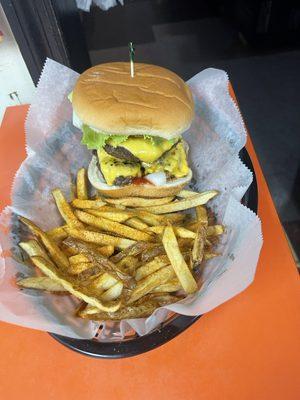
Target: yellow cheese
(145, 149)
(112, 167)
(174, 162)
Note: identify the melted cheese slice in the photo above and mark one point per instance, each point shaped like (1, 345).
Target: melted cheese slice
(145, 150)
(174, 162)
(112, 167)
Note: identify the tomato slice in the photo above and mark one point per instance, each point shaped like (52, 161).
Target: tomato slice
(141, 181)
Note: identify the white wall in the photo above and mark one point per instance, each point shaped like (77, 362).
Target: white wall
(14, 76)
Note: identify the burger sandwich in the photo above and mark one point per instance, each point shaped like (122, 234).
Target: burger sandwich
(134, 125)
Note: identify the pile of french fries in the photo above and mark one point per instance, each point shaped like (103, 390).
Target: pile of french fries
(123, 258)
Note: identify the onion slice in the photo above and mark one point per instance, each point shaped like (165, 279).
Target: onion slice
(157, 178)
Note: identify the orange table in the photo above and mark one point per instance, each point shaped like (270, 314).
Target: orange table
(248, 348)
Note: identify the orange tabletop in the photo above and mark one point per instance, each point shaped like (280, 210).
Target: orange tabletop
(247, 348)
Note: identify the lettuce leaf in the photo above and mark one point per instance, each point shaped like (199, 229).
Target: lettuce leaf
(97, 140)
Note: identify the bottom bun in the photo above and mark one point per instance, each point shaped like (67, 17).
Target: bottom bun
(150, 191)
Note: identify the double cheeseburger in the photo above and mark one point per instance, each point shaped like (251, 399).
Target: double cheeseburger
(133, 125)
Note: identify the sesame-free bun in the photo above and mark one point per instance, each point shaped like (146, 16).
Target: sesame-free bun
(169, 189)
(154, 102)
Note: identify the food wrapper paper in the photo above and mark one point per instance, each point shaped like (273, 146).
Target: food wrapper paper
(54, 154)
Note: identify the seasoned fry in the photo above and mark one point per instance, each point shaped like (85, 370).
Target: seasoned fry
(176, 218)
(134, 250)
(172, 285)
(99, 238)
(193, 201)
(184, 194)
(179, 231)
(82, 191)
(78, 268)
(57, 255)
(113, 292)
(150, 267)
(113, 227)
(129, 264)
(202, 215)
(42, 283)
(140, 201)
(212, 230)
(65, 209)
(82, 293)
(33, 248)
(102, 264)
(58, 233)
(112, 215)
(104, 282)
(151, 219)
(141, 309)
(78, 258)
(198, 247)
(147, 284)
(209, 255)
(152, 252)
(178, 263)
(92, 204)
(106, 251)
(135, 222)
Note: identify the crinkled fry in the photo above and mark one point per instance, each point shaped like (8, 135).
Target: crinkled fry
(190, 202)
(42, 283)
(57, 255)
(113, 227)
(99, 238)
(65, 209)
(81, 182)
(177, 261)
(140, 201)
(79, 292)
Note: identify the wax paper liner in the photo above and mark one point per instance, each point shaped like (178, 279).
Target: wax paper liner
(54, 155)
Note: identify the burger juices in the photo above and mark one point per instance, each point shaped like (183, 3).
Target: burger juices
(134, 126)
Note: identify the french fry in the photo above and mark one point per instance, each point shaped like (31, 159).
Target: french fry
(151, 219)
(179, 231)
(152, 266)
(106, 251)
(113, 292)
(113, 227)
(184, 194)
(175, 218)
(42, 283)
(99, 238)
(177, 261)
(141, 309)
(78, 258)
(57, 255)
(82, 293)
(212, 230)
(172, 285)
(147, 284)
(81, 182)
(134, 250)
(101, 263)
(190, 202)
(33, 248)
(91, 204)
(140, 201)
(209, 255)
(152, 252)
(113, 216)
(58, 233)
(198, 247)
(78, 268)
(104, 282)
(129, 264)
(201, 213)
(135, 222)
(65, 209)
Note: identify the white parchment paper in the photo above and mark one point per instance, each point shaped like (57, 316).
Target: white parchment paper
(54, 155)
